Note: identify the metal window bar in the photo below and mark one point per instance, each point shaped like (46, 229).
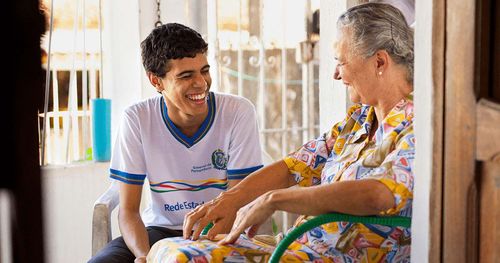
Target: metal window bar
(213, 43)
(284, 111)
(85, 120)
(240, 50)
(55, 108)
(47, 83)
(262, 76)
(72, 153)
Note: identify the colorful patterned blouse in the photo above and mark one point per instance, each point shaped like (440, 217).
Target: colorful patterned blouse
(345, 153)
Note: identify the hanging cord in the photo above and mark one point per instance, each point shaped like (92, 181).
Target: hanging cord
(47, 82)
(84, 83)
(158, 14)
(101, 87)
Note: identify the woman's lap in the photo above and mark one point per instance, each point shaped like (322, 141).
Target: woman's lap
(244, 250)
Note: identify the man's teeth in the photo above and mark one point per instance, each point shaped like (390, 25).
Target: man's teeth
(196, 97)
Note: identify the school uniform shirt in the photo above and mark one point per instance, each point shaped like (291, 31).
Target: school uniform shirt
(184, 172)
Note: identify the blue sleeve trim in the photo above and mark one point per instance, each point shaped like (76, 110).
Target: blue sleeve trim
(125, 180)
(127, 177)
(244, 171)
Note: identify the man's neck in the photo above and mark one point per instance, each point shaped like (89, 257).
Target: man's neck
(187, 124)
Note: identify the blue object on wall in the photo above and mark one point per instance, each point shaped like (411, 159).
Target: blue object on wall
(101, 129)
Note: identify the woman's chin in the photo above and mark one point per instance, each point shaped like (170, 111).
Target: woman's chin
(354, 98)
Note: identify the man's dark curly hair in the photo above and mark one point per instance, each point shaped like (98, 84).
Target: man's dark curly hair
(170, 41)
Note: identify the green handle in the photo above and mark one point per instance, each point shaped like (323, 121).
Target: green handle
(335, 217)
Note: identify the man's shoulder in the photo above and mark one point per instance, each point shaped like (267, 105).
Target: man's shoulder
(227, 101)
(142, 110)
(144, 105)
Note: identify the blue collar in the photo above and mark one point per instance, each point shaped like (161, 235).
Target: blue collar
(200, 133)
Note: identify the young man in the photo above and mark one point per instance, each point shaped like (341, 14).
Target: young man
(191, 144)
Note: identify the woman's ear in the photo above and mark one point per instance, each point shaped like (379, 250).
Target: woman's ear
(382, 60)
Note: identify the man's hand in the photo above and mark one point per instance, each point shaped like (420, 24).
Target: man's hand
(221, 212)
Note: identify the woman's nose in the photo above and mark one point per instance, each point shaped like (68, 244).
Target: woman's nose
(336, 74)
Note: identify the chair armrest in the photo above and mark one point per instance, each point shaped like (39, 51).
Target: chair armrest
(101, 219)
(335, 217)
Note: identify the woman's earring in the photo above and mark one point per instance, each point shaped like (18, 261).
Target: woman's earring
(380, 73)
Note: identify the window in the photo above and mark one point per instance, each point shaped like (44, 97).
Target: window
(266, 54)
(73, 80)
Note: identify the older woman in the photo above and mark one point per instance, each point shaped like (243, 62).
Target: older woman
(362, 166)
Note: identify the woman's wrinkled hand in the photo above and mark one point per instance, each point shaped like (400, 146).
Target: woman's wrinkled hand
(250, 218)
(221, 211)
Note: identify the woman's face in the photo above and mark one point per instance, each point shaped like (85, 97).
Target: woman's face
(358, 74)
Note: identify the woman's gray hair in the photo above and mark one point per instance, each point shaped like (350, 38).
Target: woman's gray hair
(377, 26)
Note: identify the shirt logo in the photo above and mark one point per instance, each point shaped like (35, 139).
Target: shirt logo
(219, 159)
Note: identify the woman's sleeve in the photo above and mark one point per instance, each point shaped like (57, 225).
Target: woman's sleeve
(396, 171)
(245, 148)
(127, 161)
(306, 163)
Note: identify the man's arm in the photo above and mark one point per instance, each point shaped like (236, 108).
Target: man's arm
(129, 218)
(232, 183)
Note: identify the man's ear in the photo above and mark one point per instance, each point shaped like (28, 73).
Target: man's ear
(155, 81)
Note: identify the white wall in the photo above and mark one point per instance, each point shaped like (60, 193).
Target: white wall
(424, 92)
(69, 193)
(122, 69)
(332, 94)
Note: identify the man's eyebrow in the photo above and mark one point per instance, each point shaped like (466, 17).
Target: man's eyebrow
(185, 72)
(191, 71)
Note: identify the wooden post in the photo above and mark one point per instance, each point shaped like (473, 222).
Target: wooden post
(460, 220)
